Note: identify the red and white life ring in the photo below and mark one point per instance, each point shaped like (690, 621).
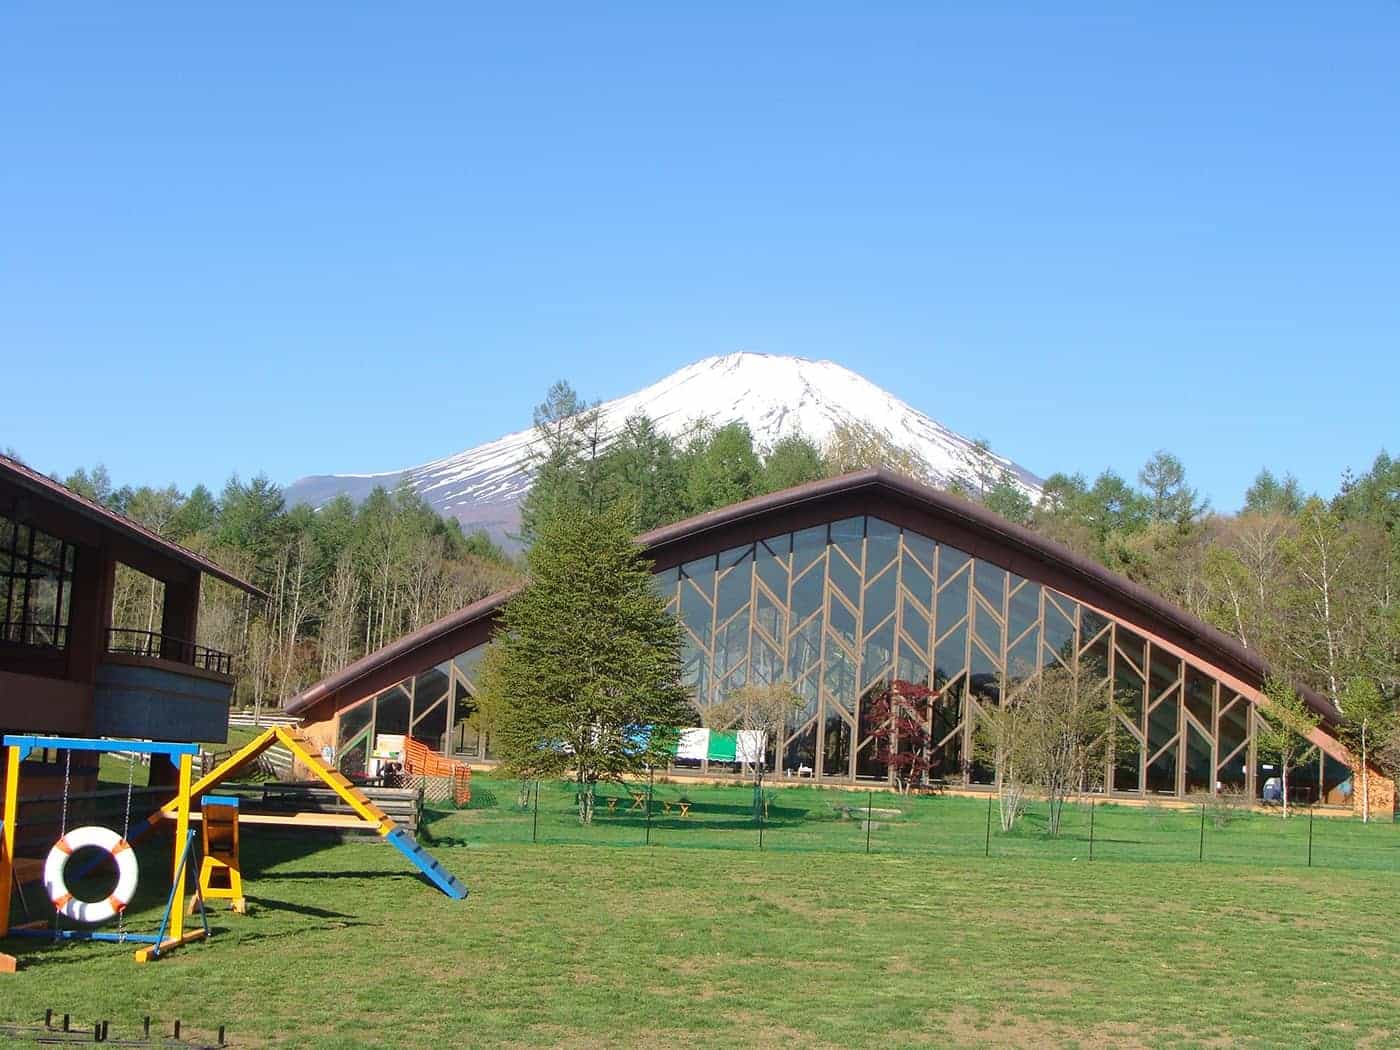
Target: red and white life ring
(122, 855)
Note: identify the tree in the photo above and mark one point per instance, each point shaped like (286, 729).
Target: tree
(1330, 624)
(1268, 495)
(1284, 724)
(1002, 739)
(1007, 498)
(586, 676)
(793, 460)
(901, 713)
(986, 468)
(196, 515)
(568, 433)
(641, 469)
(1369, 720)
(721, 467)
(1169, 497)
(763, 710)
(860, 446)
(1050, 739)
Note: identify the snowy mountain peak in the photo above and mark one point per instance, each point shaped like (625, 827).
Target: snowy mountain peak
(775, 395)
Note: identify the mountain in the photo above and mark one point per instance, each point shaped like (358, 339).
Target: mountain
(775, 395)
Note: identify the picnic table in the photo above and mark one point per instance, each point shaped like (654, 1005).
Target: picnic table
(682, 804)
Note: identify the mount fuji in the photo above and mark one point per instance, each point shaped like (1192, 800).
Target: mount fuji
(774, 395)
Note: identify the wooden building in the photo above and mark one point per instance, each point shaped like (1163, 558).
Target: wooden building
(841, 585)
(64, 668)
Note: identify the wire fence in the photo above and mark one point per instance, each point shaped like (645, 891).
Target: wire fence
(685, 816)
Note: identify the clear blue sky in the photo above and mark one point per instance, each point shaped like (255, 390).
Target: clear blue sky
(302, 238)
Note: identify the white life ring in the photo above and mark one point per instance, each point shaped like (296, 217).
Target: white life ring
(122, 855)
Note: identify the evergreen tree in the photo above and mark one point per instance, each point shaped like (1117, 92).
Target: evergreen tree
(251, 521)
(721, 467)
(793, 460)
(1008, 499)
(1169, 497)
(586, 674)
(1269, 495)
(641, 469)
(196, 515)
(569, 434)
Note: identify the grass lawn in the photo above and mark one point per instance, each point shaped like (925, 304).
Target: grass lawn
(808, 943)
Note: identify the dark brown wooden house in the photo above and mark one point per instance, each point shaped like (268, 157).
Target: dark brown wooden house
(64, 668)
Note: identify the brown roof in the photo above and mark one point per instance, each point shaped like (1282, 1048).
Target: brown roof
(884, 486)
(47, 488)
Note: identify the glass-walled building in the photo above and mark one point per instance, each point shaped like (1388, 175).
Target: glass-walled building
(918, 587)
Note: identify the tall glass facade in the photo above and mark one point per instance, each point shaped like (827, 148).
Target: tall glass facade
(841, 609)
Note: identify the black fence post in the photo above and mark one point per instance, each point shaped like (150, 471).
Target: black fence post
(762, 812)
(1091, 828)
(535, 823)
(1310, 829)
(651, 774)
(1201, 854)
(988, 851)
(869, 816)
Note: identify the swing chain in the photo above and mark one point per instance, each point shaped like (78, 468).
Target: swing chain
(126, 832)
(63, 813)
(67, 783)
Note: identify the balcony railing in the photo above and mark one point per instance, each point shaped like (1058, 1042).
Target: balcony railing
(38, 635)
(129, 641)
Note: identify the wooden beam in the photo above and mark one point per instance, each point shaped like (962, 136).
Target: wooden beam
(315, 820)
(155, 951)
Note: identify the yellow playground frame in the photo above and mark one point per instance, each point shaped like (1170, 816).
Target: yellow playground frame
(179, 809)
(172, 932)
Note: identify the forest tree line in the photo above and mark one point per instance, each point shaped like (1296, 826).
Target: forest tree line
(342, 580)
(1310, 582)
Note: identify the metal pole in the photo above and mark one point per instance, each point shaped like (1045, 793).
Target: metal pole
(1091, 828)
(869, 815)
(651, 775)
(988, 851)
(535, 825)
(760, 808)
(1310, 822)
(1201, 855)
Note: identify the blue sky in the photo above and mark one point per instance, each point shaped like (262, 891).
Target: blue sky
(325, 237)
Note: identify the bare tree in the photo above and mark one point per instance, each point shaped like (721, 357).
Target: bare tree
(1049, 740)
(764, 712)
(858, 446)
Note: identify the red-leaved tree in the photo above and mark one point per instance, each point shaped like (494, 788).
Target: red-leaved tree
(901, 713)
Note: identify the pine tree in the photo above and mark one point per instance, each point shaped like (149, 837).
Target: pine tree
(791, 461)
(586, 672)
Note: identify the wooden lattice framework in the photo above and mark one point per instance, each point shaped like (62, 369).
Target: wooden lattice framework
(840, 608)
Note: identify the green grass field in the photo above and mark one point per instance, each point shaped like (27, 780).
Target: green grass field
(589, 938)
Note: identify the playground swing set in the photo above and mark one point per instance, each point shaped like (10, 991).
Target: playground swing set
(219, 874)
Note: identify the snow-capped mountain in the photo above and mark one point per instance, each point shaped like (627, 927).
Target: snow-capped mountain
(775, 395)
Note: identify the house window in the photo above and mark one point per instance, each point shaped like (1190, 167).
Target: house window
(36, 577)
